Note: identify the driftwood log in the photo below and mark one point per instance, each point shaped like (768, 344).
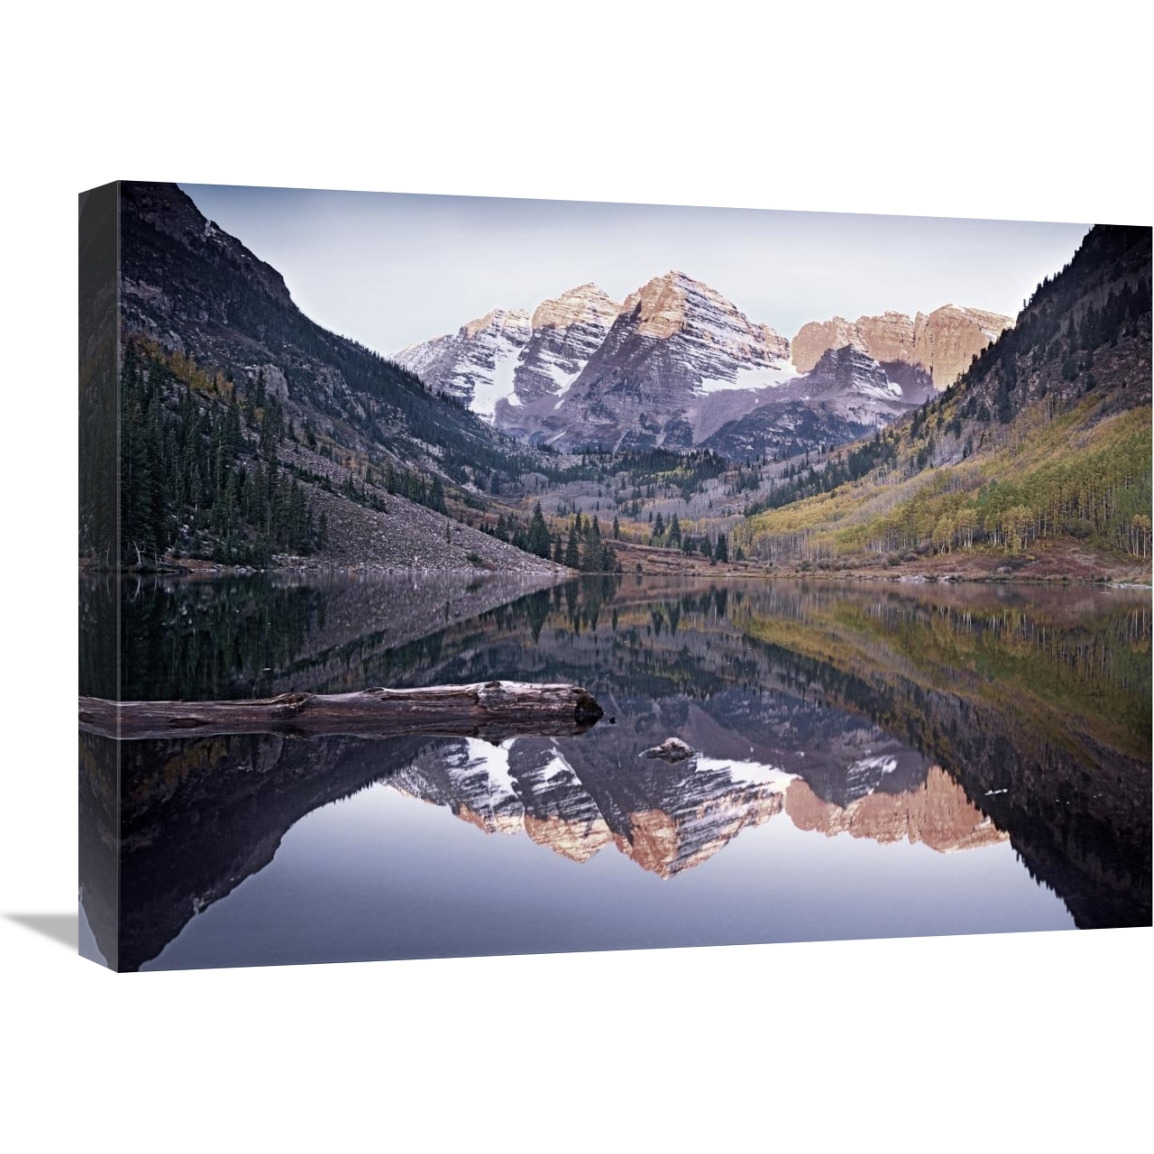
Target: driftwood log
(493, 710)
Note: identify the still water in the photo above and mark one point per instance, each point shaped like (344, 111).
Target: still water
(871, 761)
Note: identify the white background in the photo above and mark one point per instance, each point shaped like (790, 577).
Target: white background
(1009, 1042)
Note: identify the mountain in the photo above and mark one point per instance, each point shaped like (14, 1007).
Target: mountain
(846, 395)
(939, 345)
(508, 356)
(676, 366)
(1036, 460)
(676, 346)
(195, 291)
(248, 431)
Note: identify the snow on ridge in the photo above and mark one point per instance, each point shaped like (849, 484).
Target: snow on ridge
(890, 391)
(495, 759)
(883, 763)
(750, 772)
(487, 391)
(756, 378)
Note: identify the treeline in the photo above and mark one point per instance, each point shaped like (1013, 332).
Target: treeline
(671, 537)
(199, 473)
(684, 473)
(803, 480)
(582, 546)
(413, 487)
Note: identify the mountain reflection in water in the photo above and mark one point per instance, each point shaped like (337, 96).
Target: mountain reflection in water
(1011, 722)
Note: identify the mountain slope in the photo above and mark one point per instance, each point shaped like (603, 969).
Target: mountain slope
(193, 289)
(1037, 459)
(676, 366)
(510, 359)
(249, 432)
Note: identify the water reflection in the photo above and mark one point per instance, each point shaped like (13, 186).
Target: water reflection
(967, 719)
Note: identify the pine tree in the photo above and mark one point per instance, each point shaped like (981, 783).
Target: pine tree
(572, 548)
(538, 536)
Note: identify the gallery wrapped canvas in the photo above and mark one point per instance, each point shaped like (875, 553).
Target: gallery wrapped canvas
(711, 576)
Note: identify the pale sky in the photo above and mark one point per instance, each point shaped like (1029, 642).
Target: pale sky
(392, 269)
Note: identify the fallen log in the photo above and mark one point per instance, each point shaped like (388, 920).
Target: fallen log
(492, 710)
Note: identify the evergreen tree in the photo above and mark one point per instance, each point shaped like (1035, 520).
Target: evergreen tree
(572, 548)
(538, 535)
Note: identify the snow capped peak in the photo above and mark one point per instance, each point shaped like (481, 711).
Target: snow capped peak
(683, 339)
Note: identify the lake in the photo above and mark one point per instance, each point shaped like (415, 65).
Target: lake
(872, 760)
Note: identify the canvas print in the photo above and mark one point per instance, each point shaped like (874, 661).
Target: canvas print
(466, 576)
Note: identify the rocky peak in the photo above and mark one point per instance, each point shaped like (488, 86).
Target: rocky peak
(169, 210)
(941, 343)
(660, 304)
(849, 370)
(509, 323)
(676, 304)
(585, 304)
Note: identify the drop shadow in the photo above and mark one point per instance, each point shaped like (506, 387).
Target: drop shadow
(62, 928)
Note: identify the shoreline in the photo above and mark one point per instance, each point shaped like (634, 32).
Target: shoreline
(744, 570)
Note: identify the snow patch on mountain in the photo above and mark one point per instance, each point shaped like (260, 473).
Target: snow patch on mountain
(754, 378)
(750, 772)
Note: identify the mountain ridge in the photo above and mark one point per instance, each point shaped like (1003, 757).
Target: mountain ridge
(941, 343)
(1035, 461)
(677, 362)
(249, 432)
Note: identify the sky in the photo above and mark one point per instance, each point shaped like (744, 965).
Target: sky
(393, 269)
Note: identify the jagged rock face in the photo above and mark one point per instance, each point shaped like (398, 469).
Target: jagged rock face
(506, 358)
(567, 331)
(951, 337)
(587, 370)
(676, 343)
(937, 814)
(942, 342)
(846, 395)
(477, 363)
(848, 370)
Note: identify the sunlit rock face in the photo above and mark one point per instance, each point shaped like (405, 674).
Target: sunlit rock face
(668, 843)
(559, 813)
(937, 814)
(585, 369)
(942, 342)
(676, 344)
(678, 366)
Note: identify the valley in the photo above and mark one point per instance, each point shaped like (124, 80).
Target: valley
(677, 431)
